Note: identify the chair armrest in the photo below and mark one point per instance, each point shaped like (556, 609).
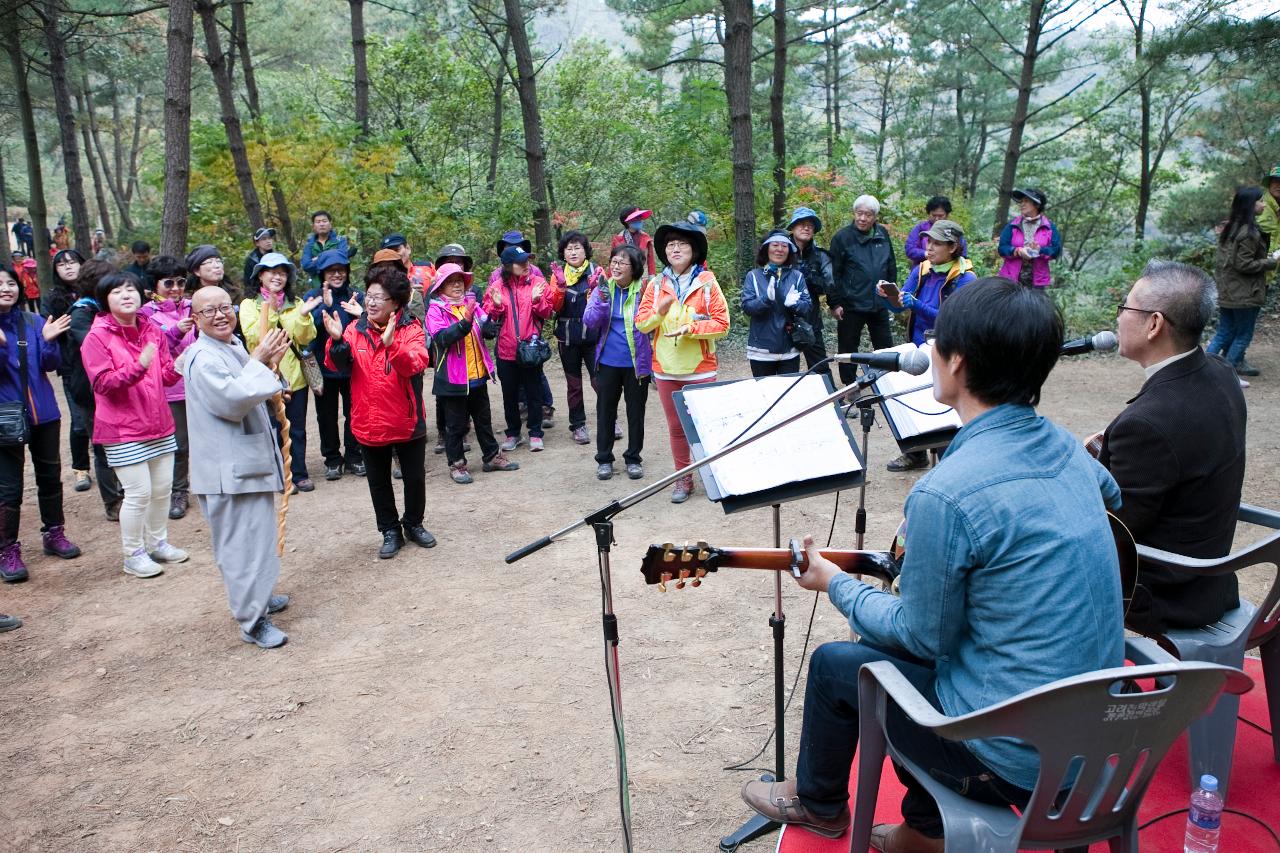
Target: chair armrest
(903, 693)
(1260, 516)
(1170, 560)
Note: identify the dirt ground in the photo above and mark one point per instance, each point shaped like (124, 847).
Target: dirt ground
(443, 700)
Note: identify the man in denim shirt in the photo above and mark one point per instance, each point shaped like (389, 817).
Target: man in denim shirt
(1010, 580)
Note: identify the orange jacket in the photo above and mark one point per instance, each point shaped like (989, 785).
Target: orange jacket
(706, 313)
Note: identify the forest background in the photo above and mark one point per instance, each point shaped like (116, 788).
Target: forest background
(196, 121)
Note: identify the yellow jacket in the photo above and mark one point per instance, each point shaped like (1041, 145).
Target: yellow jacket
(299, 326)
(703, 310)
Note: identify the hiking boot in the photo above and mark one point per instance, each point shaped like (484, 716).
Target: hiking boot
(333, 472)
(178, 505)
(166, 553)
(419, 535)
(8, 623)
(682, 491)
(459, 474)
(1244, 368)
(617, 431)
(357, 468)
(12, 569)
(83, 482)
(910, 462)
(396, 473)
(535, 443)
(305, 485)
(779, 803)
(581, 436)
(439, 448)
(500, 462)
(548, 417)
(140, 565)
(392, 542)
(604, 471)
(57, 544)
(112, 510)
(264, 635)
(635, 470)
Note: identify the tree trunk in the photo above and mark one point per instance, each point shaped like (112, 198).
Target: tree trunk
(66, 126)
(5, 248)
(1021, 106)
(737, 87)
(177, 129)
(240, 25)
(104, 212)
(1144, 131)
(114, 183)
(776, 93)
(217, 62)
(117, 137)
(361, 66)
(31, 145)
(495, 141)
(135, 145)
(534, 153)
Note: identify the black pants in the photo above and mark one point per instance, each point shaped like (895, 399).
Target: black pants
(458, 411)
(79, 431)
(296, 411)
(336, 390)
(43, 447)
(182, 457)
(613, 383)
(829, 738)
(515, 378)
(849, 336)
(547, 399)
(412, 455)
(574, 357)
(773, 368)
(816, 351)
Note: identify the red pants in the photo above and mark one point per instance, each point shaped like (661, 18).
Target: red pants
(679, 444)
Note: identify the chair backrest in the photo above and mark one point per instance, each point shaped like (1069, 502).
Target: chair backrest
(1098, 746)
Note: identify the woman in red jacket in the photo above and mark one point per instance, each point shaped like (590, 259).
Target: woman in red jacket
(385, 351)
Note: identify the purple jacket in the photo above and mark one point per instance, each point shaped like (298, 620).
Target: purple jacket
(42, 357)
(166, 315)
(917, 243)
(448, 339)
(596, 318)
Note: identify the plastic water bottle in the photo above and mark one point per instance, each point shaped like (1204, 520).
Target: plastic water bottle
(1205, 818)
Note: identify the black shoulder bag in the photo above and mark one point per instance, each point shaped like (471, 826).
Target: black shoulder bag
(14, 430)
(533, 352)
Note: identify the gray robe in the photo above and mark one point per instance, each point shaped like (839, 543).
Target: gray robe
(235, 468)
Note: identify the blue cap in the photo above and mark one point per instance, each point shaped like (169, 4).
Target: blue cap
(515, 255)
(802, 213)
(1209, 783)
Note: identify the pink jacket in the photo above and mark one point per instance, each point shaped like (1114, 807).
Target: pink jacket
(447, 337)
(129, 398)
(530, 313)
(166, 315)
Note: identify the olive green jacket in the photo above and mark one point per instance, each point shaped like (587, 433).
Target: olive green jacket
(1241, 267)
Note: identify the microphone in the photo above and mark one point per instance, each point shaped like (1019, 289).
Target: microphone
(914, 361)
(1101, 342)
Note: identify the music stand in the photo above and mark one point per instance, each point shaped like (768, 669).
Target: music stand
(774, 497)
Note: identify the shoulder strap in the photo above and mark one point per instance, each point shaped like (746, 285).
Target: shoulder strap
(22, 361)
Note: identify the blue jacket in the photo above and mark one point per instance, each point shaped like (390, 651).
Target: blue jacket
(763, 295)
(317, 346)
(42, 357)
(1010, 579)
(312, 250)
(928, 295)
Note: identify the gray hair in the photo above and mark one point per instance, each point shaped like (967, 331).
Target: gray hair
(866, 202)
(1185, 295)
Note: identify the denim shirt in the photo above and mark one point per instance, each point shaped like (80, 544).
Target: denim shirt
(1010, 579)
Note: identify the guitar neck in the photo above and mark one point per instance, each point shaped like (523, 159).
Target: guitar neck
(875, 563)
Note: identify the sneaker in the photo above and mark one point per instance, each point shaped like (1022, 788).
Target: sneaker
(264, 635)
(635, 470)
(276, 603)
(166, 553)
(178, 505)
(581, 436)
(1243, 384)
(392, 542)
(439, 448)
(333, 472)
(357, 468)
(396, 473)
(510, 443)
(141, 566)
(604, 471)
(909, 462)
(500, 462)
(1244, 368)
(305, 485)
(682, 491)
(548, 417)
(459, 473)
(112, 510)
(12, 569)
(8, 623)
(419, 535)
(57, 544)
(617, 432)
(779, 802)
(83, 482)
(466, 447)
(535, 443)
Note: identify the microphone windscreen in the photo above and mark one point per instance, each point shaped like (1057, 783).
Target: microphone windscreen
(1105, 341)
(914, 362)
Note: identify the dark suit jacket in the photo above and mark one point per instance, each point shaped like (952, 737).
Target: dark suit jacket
(1178, 453)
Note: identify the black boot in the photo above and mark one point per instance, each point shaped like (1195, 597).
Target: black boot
(419, 535)
(392, 542)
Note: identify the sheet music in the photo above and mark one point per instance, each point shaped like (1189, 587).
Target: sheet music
(814, 446)
(918, 412)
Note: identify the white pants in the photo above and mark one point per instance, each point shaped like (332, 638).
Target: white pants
(144, 515)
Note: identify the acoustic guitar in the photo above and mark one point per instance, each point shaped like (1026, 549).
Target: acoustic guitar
(688, 565)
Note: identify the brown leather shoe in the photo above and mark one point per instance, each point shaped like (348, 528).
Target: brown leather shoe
(778, 802)
(900, 838)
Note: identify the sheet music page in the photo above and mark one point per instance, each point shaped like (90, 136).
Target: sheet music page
(918, 412)
(814, 446)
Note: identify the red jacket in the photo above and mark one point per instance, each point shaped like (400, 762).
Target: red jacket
(530, 313)
(386, 382)
(129, 398)
(643, 242)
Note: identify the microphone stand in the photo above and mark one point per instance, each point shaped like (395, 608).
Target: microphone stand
(601, 521)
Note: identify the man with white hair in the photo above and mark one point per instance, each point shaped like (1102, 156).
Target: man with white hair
(861, 255)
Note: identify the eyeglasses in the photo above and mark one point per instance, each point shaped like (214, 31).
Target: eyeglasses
(171, 282)
(335, 274)
(1122, 307)
(214, 310)
(375, 300)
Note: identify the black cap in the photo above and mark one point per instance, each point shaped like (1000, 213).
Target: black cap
(393, 241)
(1031, 194)
(262, 233)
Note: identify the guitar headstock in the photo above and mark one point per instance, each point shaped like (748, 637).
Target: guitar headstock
(680, 563)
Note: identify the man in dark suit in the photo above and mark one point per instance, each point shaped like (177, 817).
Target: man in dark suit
(1178, 449)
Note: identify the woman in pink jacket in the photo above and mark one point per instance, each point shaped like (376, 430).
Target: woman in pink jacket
(170, 311)
(129, 365)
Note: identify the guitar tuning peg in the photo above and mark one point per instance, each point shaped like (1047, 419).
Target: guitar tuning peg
(700, 572)
(663, 579)
(662, 587)
(686, 554)
(696, 582)
(667, 548)
(704, 551)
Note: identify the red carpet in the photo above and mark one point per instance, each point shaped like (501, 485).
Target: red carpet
(1255, 790)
